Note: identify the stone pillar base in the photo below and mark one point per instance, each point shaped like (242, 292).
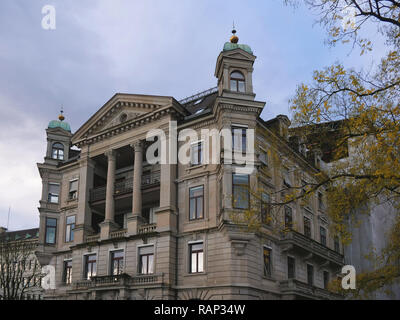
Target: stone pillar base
(166, 219)
(133, 222)
(106, 227)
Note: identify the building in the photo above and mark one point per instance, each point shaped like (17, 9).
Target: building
(18, 248)
(115, 226)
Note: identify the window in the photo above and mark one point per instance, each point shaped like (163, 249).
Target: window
(267, 261)
(336, 244)
(237, 82)
(322, 232)
(73, 190)
(146, 260)
(90, 266)
(240, 188)
(286, 178)
(291, 268)
(263, 157)
(265, 208)
(239, 139)
(320, 201)
(67, 277)
(117, 262)
(69, 229)
(196, 198)
(307, 227)
(51, 230)
(196, 258)
(54, 191)
(326, 279)
(196, 153)
(310, 274)
(288, 218)
(57, 151)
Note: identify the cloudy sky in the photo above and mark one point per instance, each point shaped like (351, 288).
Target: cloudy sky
(165, 47)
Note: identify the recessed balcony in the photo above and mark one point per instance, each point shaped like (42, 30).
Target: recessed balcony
(301, 290)
(125, 187)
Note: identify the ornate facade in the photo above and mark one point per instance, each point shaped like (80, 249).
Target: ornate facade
(115, 226)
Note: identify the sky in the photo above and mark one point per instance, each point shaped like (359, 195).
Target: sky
(156, 47)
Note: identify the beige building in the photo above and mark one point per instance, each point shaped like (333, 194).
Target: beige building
(115, 226)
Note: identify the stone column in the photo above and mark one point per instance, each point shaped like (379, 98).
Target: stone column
(84, 217)
(108, 224)
(110, 206)
(135, 218)
(137, 179)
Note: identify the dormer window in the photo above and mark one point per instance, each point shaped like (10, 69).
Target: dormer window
(57, 151)
(237, 82)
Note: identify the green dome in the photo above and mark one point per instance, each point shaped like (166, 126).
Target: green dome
(59, 124)
(232, 46)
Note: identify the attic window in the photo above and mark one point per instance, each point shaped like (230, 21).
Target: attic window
(237, 82)
(198, 101)
(123, 117)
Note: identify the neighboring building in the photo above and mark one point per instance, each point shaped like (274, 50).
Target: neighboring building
(25, 253)
(116, 227)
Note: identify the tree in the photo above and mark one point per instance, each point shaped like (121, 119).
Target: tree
(19, 269)
(366, 106)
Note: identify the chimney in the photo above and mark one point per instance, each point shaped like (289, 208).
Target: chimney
(284, 124)
(3, 230)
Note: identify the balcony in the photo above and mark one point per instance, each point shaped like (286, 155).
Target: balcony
(302, 290)
(147, 228)
(294, 241)
(125, 187)
(119, 281)
(119, 234)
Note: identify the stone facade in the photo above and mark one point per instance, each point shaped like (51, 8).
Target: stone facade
(115, 203)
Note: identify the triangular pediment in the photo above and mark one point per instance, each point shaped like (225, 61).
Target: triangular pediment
(238, 54)
(120, 109)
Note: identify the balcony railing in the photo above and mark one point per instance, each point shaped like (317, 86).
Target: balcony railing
(121, 280)
(296, 287)
(118, 234)
(93, 238)
(124, 187)
(301, 241)
(147, 228)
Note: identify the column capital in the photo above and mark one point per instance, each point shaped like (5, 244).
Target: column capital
(138, 145)
(110, 154)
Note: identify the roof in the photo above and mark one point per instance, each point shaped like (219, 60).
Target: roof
(59, 124)
(232, 46)
(27, 234)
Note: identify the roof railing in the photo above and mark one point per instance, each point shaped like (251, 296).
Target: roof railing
(198, 95)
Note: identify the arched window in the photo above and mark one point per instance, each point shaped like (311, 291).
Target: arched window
(237, 82)
(57, 151)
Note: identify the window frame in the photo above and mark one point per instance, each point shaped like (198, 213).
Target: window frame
(199, 151)
(267, 266)
(68, 237)
(196, 198)
(147, 257)
(322, 237)
(243, 138)
(47, 227)
(289, 258)
(240, 186)
(73, 195)
(57, 151)
(288, 210)
(50, 194)
(92, 263)
(326, 280)
(336, 244)
(197, 253)
(310, 280)
(265, 208)
(235, 81)
(67, 272)
(307, 228)
(120, 260)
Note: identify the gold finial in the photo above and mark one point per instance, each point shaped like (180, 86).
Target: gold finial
(61, 116)
(234, 37)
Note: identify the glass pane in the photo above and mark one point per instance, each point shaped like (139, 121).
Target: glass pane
(241, 86)
(237, 75)
(197, 191)
(199, 207)
(144, 264)
(200, 262)
(50, 235)
(73, 185)
(70, 219)
(234, 85)
(118, 254)
(54, 188)
(194, 263)
(197, 246)
(151, 258)
(51, 222)
(67, 233)
(72, 233)
(241, 197)
(192, 208)
(240, 179)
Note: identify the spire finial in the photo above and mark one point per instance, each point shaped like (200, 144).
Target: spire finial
(61, 116)
(234, 38)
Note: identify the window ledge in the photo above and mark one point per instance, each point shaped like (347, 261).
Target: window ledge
(197, 166)
(195, 274)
